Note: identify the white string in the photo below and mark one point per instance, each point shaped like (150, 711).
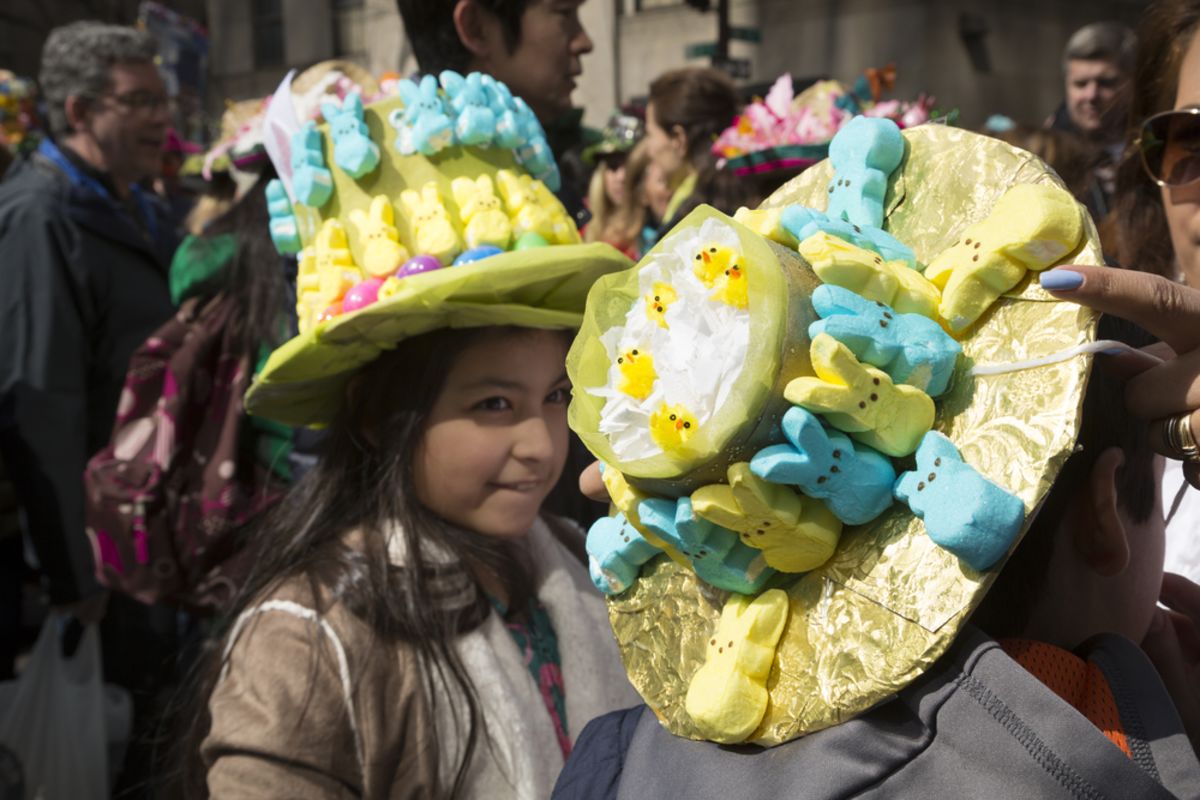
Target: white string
(1108, 346)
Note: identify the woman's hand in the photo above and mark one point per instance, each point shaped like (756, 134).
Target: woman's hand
(1164, 387)
(1173, 644)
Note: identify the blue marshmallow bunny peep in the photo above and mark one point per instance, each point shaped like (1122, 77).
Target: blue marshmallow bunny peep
(353, 149)
(718, 557)
(910, 348)
(508, 127)
(616, 553)
(311, 181)
(864, 154)
(963, 511)
(424, 125)
(285, 232)
(853, 480)
(476, 121)
(801, 223)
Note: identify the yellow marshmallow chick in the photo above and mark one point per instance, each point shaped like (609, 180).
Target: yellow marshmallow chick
(433, 232)
(711, 261)
(866, 274)
(382, 252)
(727, 697)
(731, 287)
(480, 209)
(561, 226)
(862, 400)
(1030, 228)
(795, 533)
(325, 272)
(658, 300)
(766, 222)
(524, 210)
(637, 373)
(672, 426)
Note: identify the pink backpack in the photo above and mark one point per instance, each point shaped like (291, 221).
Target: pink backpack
(166, 498)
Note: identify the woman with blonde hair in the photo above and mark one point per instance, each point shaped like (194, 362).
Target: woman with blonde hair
(617, 200)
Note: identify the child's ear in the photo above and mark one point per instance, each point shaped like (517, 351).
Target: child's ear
(1102, 541)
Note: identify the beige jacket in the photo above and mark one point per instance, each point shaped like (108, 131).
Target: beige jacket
(352, 721)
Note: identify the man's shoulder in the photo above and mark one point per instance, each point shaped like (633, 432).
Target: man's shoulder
(33, 188)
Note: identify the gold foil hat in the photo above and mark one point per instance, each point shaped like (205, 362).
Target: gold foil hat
(889, 601)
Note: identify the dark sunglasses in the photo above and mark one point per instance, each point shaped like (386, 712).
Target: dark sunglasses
(1170, 146)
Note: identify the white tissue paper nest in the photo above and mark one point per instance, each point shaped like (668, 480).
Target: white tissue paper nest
(697, 358)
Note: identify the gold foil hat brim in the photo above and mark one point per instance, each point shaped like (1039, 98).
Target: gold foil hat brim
(890, 601)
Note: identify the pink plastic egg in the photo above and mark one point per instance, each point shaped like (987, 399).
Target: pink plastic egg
(361, 295)
(418, 264)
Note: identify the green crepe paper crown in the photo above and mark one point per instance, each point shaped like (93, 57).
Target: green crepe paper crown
(303, 381)
(889, 601)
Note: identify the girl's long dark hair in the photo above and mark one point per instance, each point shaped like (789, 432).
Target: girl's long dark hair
(363, 482)
(256, 280)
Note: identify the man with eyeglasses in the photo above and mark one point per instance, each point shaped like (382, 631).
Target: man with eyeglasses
(84, 255)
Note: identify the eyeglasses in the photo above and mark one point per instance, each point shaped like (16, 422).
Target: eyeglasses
(1170, 146)
(141, 100)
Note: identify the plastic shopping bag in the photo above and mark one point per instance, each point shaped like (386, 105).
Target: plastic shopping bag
(55, 719)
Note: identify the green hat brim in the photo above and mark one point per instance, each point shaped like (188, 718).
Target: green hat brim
(303, 382)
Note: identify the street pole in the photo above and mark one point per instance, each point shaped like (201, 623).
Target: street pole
(722, 52)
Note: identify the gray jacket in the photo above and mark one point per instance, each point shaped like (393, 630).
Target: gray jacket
(977, 725)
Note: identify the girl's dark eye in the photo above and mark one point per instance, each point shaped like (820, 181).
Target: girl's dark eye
(494, 404)
(559, 396)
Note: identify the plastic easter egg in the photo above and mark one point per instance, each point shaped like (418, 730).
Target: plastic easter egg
(530, 239)
(361, 295)
(418, 264)
(477, 253)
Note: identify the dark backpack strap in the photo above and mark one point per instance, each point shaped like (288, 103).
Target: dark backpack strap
(593, 772)
(568, 534)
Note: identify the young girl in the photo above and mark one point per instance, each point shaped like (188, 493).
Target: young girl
(415, 625)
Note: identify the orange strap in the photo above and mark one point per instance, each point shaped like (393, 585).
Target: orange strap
(1078, 682)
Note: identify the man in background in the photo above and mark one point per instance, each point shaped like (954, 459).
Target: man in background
(1097, 64)
(84, 254)
(533, 46)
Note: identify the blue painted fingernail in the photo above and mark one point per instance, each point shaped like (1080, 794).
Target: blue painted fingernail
(1060, 280)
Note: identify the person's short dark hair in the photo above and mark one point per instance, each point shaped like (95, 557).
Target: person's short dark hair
(76, 60)
(1103, 41)
(1105, 423)
(429, 26)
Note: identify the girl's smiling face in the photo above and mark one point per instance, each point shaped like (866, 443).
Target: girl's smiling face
(496, 438)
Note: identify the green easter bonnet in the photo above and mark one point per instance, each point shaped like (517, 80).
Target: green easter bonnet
(429, 210)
